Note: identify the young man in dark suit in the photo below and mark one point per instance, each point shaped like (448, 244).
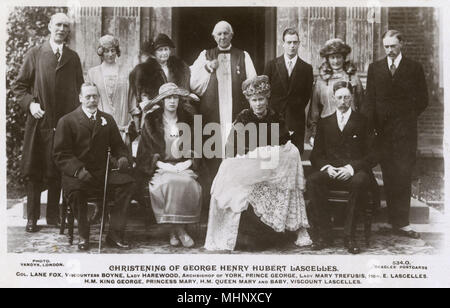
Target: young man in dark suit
(396, 95)
(81, 145)
(342, 157)
(47, 88)
(291, 81)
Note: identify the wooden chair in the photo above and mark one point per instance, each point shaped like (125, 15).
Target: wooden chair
(68, 216)
(340, 197)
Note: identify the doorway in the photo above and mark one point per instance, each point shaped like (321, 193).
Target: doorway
(254, 31)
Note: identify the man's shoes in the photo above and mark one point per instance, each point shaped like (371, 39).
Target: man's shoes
(83, 245)
(31, 226)
(352, 246)
(117, 243)
(410, 233)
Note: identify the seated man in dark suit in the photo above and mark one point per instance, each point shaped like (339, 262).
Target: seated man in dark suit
(80, 151)
(342, 157)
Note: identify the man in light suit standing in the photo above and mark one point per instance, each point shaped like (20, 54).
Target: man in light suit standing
(396, 95)
(291, 82)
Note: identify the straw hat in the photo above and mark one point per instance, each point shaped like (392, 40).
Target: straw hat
(166, 90)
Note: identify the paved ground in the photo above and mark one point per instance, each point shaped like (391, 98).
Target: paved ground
(153, 240)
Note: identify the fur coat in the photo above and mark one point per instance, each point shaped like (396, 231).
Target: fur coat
(152, 146)
(147, 77)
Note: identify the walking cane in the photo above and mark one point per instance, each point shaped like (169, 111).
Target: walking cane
(104, 200)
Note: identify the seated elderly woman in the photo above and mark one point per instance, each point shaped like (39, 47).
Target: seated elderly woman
(166, 166)
(258, 194)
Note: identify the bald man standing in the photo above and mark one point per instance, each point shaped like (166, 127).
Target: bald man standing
(217, 76)
(47, 88)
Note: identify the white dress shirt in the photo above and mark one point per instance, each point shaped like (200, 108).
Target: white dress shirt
(293, 61)
(342, 122)
(57, 47)
(342, 118)
(396, 61)
(88, 114)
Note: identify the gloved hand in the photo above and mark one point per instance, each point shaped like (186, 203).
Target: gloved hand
(122, 164)
(36, 110)
(84, 175)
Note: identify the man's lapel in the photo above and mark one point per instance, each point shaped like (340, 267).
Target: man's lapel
(385, 68)
(294, 74)
(350, 124)
(282, 71)
(97, 126)
(83, 119)
(66, 56)
(401, 69)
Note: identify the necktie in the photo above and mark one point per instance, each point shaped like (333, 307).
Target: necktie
(341, 122)
(290, 68)
(92, 121)
(57, 54)
(393, 68)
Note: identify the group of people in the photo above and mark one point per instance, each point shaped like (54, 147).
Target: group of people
(246, 164)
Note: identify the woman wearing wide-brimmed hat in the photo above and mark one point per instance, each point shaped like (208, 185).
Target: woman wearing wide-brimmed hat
(162, 67)
(170, 169)
(253, 201)
(335, 68)
(111, 79)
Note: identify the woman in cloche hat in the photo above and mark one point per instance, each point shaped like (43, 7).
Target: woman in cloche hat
(111, 79)
(334, 68)
(167, 167)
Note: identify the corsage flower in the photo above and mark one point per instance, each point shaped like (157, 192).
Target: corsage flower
(104, 122)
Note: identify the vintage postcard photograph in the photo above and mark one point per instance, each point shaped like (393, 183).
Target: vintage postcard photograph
(210, 144)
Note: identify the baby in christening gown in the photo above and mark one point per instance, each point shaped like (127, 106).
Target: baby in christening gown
(275, 193)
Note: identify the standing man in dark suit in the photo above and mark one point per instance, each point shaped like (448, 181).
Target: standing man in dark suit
(47, 88)
(342, 157)
(291, 81)
(396, 95)
(81, 146)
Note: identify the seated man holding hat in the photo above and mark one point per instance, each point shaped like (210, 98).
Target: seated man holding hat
(342, 157)
(82, 140)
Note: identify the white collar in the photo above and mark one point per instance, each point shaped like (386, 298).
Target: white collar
(346, 114)
(293, 60)
(396, 61)
(88, 114)
(228, 48)
(56, 47)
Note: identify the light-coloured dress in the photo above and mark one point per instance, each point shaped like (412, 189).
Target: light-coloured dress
(175, 196)
(274, 187)
(113, 90)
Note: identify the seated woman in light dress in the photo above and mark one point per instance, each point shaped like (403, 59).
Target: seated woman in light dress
(168, 168)
(259, 193)
(111, 79)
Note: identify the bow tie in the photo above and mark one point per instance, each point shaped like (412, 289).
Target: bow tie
(224, 51)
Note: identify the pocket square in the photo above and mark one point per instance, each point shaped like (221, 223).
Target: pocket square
(355, 136)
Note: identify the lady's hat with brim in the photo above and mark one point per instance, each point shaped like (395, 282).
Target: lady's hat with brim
(166, 90)
(258, 85)
(335, 46)
(162, 40)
